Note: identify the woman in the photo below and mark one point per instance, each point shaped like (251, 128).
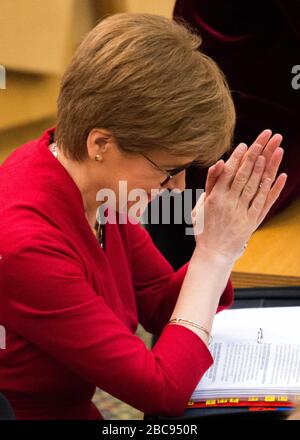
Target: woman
(136, 102)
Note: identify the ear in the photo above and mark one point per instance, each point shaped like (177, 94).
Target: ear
(98, 141)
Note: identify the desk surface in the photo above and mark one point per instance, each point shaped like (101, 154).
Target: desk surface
(272, 257)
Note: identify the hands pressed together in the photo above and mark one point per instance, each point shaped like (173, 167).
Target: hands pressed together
(238, 195)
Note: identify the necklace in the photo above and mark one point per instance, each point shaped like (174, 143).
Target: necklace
(99, 228)
(100, 233)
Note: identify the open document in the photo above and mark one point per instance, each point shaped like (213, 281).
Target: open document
(256, 353)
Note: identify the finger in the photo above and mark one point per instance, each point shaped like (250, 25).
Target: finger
(273, 195)
(273, 164)
(258, 203)
(245, 170)
(212, 176)
(271, 146)
(269, 143)
(254, 181)
(198, 215)
(231, 166)
(264, 137)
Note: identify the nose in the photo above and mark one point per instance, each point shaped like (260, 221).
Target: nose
(177, 181)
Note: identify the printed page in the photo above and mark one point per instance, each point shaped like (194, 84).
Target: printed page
(254, 350)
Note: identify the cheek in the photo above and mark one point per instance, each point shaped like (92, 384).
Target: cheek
(141, 178)
(133, 197)
(134, 185)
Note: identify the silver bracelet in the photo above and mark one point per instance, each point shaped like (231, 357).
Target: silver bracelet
(193, 324)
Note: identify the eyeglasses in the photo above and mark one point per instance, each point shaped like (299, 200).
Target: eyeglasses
(170, 173)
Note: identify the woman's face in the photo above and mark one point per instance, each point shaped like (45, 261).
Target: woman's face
(150, 173)
(136, 178)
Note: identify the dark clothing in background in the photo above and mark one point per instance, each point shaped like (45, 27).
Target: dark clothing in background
(6, 412)
(256, 44)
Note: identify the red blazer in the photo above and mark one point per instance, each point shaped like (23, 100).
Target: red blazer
(71, 309)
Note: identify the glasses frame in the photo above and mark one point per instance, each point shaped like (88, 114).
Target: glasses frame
(170, 173)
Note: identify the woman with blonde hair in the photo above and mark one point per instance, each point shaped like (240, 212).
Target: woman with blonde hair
(137, 104)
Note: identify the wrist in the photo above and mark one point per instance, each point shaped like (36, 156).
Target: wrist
(213, 256)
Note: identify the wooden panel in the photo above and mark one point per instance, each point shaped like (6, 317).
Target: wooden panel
(13, 138)
(84, 17)
(272, 257)
(33, 34)
(160, 7)
(27, 98)
(36, 36)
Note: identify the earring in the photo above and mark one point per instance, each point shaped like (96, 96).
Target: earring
(98, 157)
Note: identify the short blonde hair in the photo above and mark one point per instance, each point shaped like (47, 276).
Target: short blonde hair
(142, 77)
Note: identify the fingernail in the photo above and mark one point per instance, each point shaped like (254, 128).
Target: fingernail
(267, 130)
(267, 133)
(241, 147)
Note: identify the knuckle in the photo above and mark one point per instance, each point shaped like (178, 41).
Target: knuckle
(249, 190)
(252, 156)
(212, 200)
(258, 167)
(228, 170)
(241, 178)
(256, 207)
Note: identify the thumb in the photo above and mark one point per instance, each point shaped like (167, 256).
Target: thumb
(212, 176)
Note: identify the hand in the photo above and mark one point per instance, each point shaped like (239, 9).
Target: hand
(239, 194)
(273, 155)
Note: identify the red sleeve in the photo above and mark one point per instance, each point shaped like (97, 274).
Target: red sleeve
(156, 284)
(46, 299)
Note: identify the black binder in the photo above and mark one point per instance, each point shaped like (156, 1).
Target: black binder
(245, 298)
(6, 412)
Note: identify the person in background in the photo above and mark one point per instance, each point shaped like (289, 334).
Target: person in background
(256, 44)
(138, 103)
